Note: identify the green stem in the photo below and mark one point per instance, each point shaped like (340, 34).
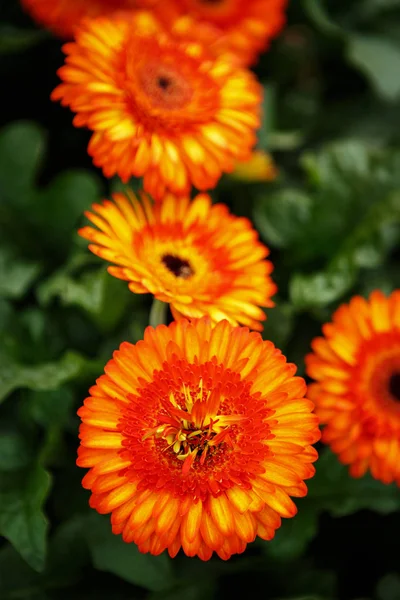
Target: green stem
(158, 313)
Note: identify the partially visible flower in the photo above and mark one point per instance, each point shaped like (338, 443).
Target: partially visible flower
(194, 255)
(260, 167)
(196, 438)
(63, 17)
(357, 394)
(160, 107)
(241, 27)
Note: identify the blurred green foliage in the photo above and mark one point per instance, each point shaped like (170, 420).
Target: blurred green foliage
(332, 221)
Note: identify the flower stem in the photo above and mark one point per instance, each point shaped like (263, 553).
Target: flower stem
(158, 313)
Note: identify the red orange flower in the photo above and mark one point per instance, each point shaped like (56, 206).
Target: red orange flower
(64, 16)
(197, 437)
(195, 256)
(357, 367)
(242, 27)
(160, 108)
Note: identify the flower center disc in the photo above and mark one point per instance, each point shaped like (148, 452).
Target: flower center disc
(394, 386)
(178, 266)
(377, 380)
(200, 429)
(165, 87)
(192, 429)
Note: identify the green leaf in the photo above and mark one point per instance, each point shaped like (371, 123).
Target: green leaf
(111, 553)
(268, 117)
(22, 520)
(60, 206)
(279, 324)
(15, 451)
(103, 297)
(352, 219)
(344, 179)
(371, 8)
(375, 235)
(16, 276)
(18, 580)
(47, 376)
(198, 590)
(21, 150)
(292, 538)
(341, 167)
(385, 278)
(389, 587)
(135, 184)
(50, 409)
(320, 289)
(67, 557)
(332, 489)
(376, 56)
(68, 553)
(18, 40)
(365, 247)
(316, 11)
(280, 217)
(379, 59)
(28, 212)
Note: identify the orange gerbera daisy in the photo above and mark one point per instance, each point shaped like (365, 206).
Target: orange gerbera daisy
(63, 16)
(243, 27)
(159, 107)
(197, 437)
(357, 367)
(194, 255)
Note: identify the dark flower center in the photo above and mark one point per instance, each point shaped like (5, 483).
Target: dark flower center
(394, 386)
(163, 82)
(178, 266)
(166, 86)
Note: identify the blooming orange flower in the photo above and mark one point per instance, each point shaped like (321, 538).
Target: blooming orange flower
(197, 437)
(159, 107)
(243, 27)
(357, 367)
(64, 16)
(195, 256)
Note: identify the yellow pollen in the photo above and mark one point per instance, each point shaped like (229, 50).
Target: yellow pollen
(191, 430)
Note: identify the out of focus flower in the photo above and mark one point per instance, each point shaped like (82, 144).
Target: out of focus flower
(64, 16)
(196, 256)
(159, 107)
(196, 438)
(242, 27)
(357, 394)
(260, 167)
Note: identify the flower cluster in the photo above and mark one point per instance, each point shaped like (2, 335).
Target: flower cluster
(198, 436)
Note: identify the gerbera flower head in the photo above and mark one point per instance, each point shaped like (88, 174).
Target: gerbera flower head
(194, 255)
(197, 437)
(241, 27)
(160, 106)
(357, 394)
(63, 17)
